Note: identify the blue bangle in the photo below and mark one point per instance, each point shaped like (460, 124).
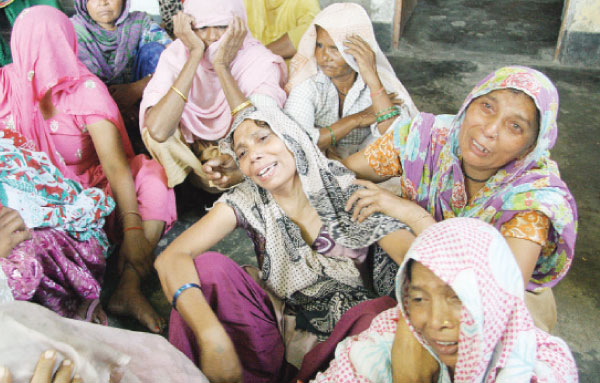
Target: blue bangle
(180, 290)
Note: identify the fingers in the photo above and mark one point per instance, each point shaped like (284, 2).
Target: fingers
(20, 236)
(5, 376)
(63, 375)
(44, 367)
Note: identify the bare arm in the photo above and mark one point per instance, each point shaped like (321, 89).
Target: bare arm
(343, 126)
(358, 163)
(526, 254)
(396, 244)
(163, 118)
(283, 47)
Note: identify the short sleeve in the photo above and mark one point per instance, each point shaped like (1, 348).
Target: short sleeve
(383, 157)
(300, 106)
(92, 119)
(531, 225)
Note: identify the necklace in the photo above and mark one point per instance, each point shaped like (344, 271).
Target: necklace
(471, 178)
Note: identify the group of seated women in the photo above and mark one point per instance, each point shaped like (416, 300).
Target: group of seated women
(300, 159)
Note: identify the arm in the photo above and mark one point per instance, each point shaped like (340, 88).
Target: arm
(396, 244)
(283, 47)
(526, 254)
(343, 126)
(176, 267)
(163, 118)
(125, 95)
(358, 163)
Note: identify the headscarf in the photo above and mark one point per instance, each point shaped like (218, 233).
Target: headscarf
(342, 20)
(291, 267)
(107, 53)
(44, 47)
(432, 174)
(497, 341)
(207, 115)
(33, 186)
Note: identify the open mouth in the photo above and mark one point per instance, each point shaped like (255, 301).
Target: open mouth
(480, 147)
(267, 171)
(445, 348)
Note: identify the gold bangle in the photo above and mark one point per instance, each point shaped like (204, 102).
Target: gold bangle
(183, 97)
(241, 106)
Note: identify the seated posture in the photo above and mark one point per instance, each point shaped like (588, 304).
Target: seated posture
(491, 161)
(53, 100)
(185, 109)
(52, 247)
(340, 80)
(122, 48)
(279, 24)
(460, 301)
(314, 262)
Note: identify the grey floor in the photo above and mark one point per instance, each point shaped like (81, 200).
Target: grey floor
(447, 47)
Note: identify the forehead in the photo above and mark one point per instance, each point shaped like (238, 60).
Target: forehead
(323, 36)
(516, 99)
(245, 129)
(425, 279)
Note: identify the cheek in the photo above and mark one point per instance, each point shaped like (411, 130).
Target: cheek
(418, 317)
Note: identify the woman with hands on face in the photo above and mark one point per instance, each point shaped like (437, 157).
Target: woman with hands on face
(185, 110)
(342, 89)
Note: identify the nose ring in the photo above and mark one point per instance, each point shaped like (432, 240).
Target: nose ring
(446, 323)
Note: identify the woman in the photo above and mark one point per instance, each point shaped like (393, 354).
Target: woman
(122, 48)
(340, 80)
(53, 99)
(185, 109)
(52, 247)
(312, 258)
(491, 161)
(461, 296)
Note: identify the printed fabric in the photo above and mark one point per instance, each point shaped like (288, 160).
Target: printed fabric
(497, 342)
(291, 268)
(430, 164)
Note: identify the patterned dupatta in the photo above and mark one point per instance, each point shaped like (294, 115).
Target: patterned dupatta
(106, 53)
(497, 341)
(291, 268)
(432, 174)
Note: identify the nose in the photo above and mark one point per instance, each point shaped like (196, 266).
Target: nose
(491, 127)
(440, 315)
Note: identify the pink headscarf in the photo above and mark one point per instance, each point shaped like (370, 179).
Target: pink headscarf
(207, 115)
(44, 48)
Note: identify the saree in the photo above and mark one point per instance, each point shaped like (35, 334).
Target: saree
(427, 153)
(291, 269)
(111, 55)
(497, 339)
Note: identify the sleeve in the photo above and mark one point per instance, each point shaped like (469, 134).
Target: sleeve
(307, 10)
(92, 118)
(383, 157)
(273, 85)
(532, 225)
(301, 106)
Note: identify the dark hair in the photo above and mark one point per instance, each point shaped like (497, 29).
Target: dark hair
(409, 266)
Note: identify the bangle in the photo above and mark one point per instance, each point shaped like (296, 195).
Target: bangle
(380, 91)
(133, 228)
(333, 141)
(384, 111)
(180, 290)
(387, 116)
(125, 213)
(240, 107)
(183, 97)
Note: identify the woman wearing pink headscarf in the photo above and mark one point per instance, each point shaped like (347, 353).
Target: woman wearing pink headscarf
(53, 100)
(212, 64)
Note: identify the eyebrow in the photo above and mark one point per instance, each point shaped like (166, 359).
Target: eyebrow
(241, 143)
(517, 114)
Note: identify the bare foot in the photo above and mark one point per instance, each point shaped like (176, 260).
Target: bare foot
(131, 302)
(91, 311)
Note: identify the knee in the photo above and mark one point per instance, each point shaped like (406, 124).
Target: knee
(213, 267)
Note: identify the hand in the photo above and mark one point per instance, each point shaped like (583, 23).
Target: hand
(12, 231)
(222, 171)
(367, 117)
(231, 43)
(411, 362)
(137, 251)
(125, 95)
(373, 199)
(43, 371)
(182, 28)
(218, 359)
(364, 56)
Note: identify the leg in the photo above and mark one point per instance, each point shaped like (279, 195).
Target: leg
(147, 60)
(246, 313)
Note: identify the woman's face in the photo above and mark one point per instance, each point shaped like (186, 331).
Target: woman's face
(434, 311)
(263, 156)
(105, 12)
(498, 128)
(210, 34)
(328, 57)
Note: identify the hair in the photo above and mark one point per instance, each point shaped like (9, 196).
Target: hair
(409, 266)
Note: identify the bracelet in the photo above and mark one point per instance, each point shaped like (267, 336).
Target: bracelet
(385, 111)
(183, 97)
(240, 107)
(133, 228)
(380, 91)
(180, 290)
(125, 213)
(387, 116)
(333, 141)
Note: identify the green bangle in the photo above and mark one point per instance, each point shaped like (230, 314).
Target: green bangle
(387, 116)
(382, 112)
(333, 141)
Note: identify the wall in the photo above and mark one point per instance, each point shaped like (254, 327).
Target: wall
(579, 39)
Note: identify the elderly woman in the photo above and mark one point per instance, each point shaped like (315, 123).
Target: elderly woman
(340, 80)
(186, 105)
(314, 262)
(460, 297)
(491, 161)
(122, 48)
(53, 100)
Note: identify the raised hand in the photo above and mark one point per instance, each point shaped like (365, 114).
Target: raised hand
(364, 56)
(12, 231)
(222, 171)
(230, 43)
(182, 28)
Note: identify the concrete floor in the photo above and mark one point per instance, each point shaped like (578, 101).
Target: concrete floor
(447, 47)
